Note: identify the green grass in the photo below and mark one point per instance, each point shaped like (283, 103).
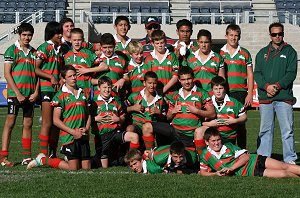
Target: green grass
(120, 182)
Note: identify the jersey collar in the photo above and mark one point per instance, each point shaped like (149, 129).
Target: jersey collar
(100, 98)
(214, 153)
(145, 171)
(66, 90)
(119, 41)
(153, 54)
(55, 50)
(17, 44)
(156, 98)
(180, 92)
(211, 54)
(133, 63)
(226, 99)
(224, 49)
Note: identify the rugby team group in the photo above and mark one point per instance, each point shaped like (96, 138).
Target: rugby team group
(159, 105)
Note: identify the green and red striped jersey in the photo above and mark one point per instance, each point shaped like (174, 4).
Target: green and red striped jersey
(86, 59)
(165, 69)
(230, 108)
(22, 69)
(117, 68)
(161, 156)
(150, 167)
(236, 66)
(229, 153)
(185, 121)
(104, 107)
(205, 70)
(183, 58)
(52, 61)
(135, 74)
(66, 46)
(148, 46)
(74, 111)
(119, 46)
(140, 119)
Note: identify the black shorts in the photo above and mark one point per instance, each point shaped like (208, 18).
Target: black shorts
(166, 134)
(239, 96)
(79, 149)
(46, 96)
(104, 142)
(260, 166)
(14, 105)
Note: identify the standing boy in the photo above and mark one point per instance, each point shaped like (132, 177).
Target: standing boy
(71, 116)
(239, 72)
(22, 91)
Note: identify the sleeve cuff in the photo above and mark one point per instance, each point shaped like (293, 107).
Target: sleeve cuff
(266, 86)
(277, 84)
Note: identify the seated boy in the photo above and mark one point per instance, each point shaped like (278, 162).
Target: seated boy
(71, 115)
(230, 112)
(83, 60)
(174, 158)
(108, 115)
(227, 159)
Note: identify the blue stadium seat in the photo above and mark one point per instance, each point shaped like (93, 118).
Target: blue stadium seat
(124, 9)
(48, 17)
(205, 19)
(22, 14)
(289, 4)
(155, 9)
(195, 19)
(165, 9)
(61, 4)
(10, 9)
(145, 9)
(30, 4)
(22, 4)
(216, 9)
(51, 5)
(280, 7)
(40, 5)
(1, 17)
(237, 9)
(134, 10)
(104, 19)
(95, 10)
(2, 4)
(281, 17)
(228, 19)
(9, 18)
(280, 3)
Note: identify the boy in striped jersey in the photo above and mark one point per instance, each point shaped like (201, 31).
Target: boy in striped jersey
(230, 112)
(174, 158)
(22, 91)
(186, 109)
(108, 114)
(48, 64)
(163, 62)
(239, 72)
(226, 159)
(205, 63)
(71, 116)
(122, 26)
(116, 64)
(146, 105)
(83, 60)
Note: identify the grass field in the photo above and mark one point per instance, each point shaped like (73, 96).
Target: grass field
(120, 182)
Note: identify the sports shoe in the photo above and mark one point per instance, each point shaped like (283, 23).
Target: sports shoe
(5, 162)
(291, 162)
(37, 161)
(26, 161)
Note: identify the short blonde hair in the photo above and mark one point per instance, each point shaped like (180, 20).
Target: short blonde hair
(133, 155)
(135, 46)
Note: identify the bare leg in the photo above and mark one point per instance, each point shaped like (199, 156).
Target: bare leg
(86, 164)
(278, 165)
(104, 163)
(7, 130)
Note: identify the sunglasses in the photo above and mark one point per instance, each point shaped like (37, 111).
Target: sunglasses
(275, 34)
(153, 26)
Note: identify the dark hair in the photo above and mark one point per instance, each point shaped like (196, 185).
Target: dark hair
(51, 29)
(24, 27)
(158, 35)
(65, 69)
(234, 27)
(107, 39)
(103, 80)
(177, 147)
(77, 31)
(66, 20)
(212, 131)
(150, 74)
(184, 22)
(204, 32)
(122, 18)
(276, 24)
(218, 80)
(185, 70)
(133, 155)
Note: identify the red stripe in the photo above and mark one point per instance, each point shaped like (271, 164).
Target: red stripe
(76, 117)
(189, 116)
(235, 62)
(26, 86)
(184, 128)
(74, 104)
(162, 151)
(242, 74)
(26, 60)
(23, 73)
(46, 84)
(237, 86)
(51, 71)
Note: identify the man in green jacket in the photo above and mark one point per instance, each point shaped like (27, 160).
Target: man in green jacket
(275, 71)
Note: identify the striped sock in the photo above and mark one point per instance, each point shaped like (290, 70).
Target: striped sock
(149, 142)
(200, 145)
(44, 143)
(52, 162)
(26, 143)
(134, 146)
(4, 153)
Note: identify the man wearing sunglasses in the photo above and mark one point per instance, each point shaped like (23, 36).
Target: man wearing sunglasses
(151, 24)
(275, 72)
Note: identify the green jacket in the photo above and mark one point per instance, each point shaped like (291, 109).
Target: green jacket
(276, 66)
